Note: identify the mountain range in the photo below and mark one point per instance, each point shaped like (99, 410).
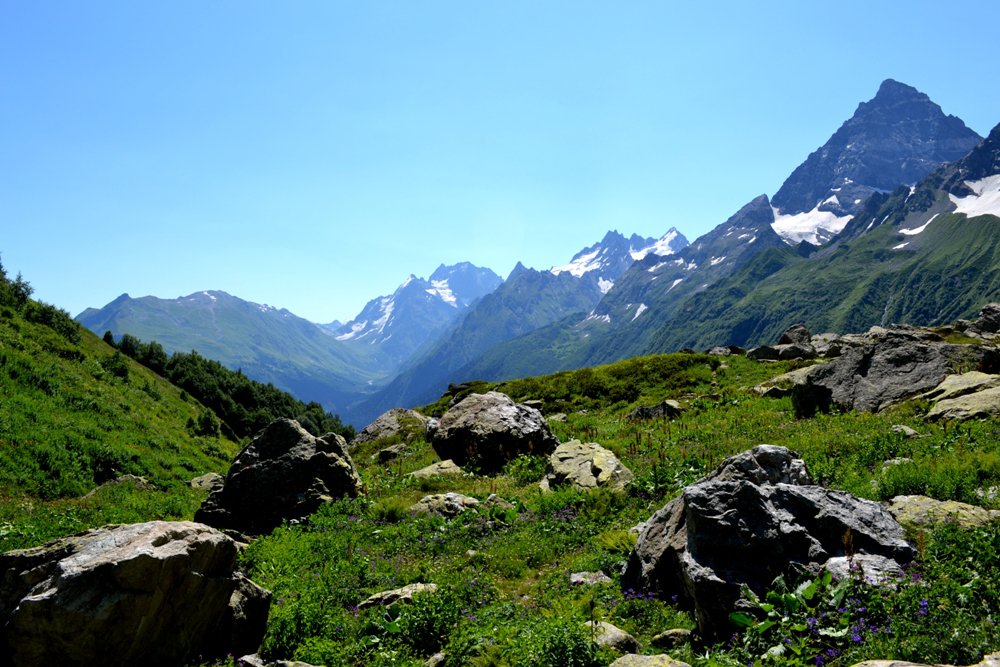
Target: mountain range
(884, 222)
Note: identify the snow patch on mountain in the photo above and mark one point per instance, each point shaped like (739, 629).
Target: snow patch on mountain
(604, 285)
(901, 245)
(984, 201)
(916, 230)
(581, 264)
(666, 245)
(815, 226)
(442, 290)
(639, 311)
(356, 328)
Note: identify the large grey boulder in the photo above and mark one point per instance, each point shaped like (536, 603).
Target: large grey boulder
(156, 593)
(889, 368)
(398, 422)
(485, 431)
(611, 636)
(754, 518)
(978, 405)
(585, 466)
(797, 334)
(283, 474)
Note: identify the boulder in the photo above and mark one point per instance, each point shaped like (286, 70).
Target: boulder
(634, 660)
(763, 353)
(390, 453)
(989, 318)
(156, 593)
(668, 409)
(916, 512)
(485, 431)
(404, 595)
(797, 334)
(440, 469)
(671, 638)
(207, 482)
(781, 386)
(827, 344)
(881, 374)
(956, 386)
(284, 473)
(612, 637)
(444, 504)
(135, 481)
(905, 431)
(585, 466)
(754, 518)
(405, 424)
(980, 405)
(991, 660)
(873, 569)
(589, 578)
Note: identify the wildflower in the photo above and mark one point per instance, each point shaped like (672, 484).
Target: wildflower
(922, 611)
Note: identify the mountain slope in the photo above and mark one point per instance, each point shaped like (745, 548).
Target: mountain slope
(896, 138)
(268, 344)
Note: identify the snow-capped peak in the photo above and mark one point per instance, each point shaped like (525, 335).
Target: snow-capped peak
(815, 226)
(666, 245)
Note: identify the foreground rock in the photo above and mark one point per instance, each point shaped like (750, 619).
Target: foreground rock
(634, 660)
(991, 660)
(889, 367)
(485, 431)
(440, 469)
(585, 466)
(156, 593)
(405, 424)
(284, 473)
(915, 512)
(978, 405)
(754, 518)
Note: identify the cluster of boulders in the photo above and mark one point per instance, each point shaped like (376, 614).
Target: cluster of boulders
(885, 366)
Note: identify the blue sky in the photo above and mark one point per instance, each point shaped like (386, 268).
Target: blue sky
(311, 155)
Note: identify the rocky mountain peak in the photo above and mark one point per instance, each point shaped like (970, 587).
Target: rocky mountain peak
(898, 137)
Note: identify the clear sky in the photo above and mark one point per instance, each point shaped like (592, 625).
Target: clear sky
(311, 155)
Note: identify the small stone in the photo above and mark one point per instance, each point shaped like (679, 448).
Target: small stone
(435, 660)
(439, 469)
(444, 504)
(390, 453)
(634, 660)
(404, 595)
(207, 482)
(904, 430)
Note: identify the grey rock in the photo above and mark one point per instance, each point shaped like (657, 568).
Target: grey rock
(980, 405)
(435, 660)
(796, 334)
(991, 660)
(671, 638)
(283, 474)
(404, 595)
(781, 386)
(668, 409)
(920, 512)
(898, 461)
(612, 637)
(486, 431)
(559, 417)
(756, 517)
(989, 318)
(589, 578)
(956, 386)
(905, 430)
(871, 568)
(390, 453)
(397, 422)
(881, 374)
(585, 466)
(764, 353)
(209, 481)
(719, 351)
(795, 351)
(135, 481)
(635, 660)
(155, 593)
(827, 345)
(445, 468)
(444, 504)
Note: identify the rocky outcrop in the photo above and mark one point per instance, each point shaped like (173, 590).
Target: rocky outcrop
(585, 466)
(891, 366)
(283, 474)
(485, 431)
(781, 386)
(754, 518)
(978, 405)
(156, 593)
(444, 504)
(405, 424)
(915, 512)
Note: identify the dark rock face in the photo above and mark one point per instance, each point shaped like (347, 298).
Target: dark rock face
(668, 409)
(756, 517)
(887, 369)
(485, 431)
(989, 318)
(797, 334)
(284, 473)
(897, 137)
(156, 593)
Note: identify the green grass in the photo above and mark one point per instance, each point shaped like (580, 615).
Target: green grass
(73, 416)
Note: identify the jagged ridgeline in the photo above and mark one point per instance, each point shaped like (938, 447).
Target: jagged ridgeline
(77, 414)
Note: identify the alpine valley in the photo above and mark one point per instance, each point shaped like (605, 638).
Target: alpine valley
(896, 218)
